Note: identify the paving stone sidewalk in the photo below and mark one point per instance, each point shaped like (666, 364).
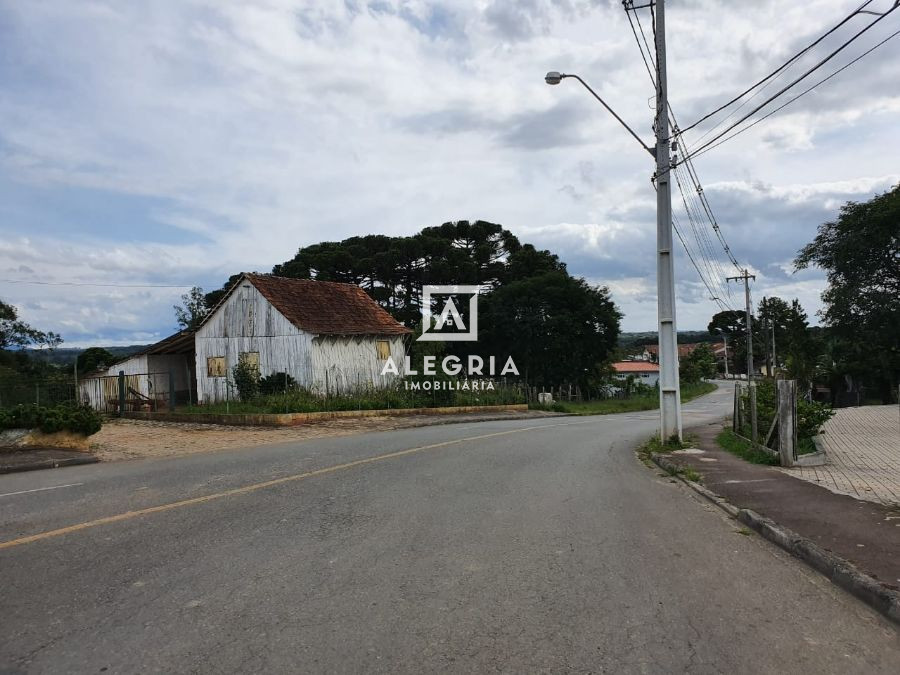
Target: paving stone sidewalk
(863, 448)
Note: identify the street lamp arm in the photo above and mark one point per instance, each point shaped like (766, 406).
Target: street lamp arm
(611, 112)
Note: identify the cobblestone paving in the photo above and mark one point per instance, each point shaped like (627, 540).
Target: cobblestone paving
(863, 448)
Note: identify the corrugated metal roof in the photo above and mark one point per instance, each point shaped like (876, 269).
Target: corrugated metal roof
(326, 307)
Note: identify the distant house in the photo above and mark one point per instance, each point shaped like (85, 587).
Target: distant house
(329, 337)
(641, 371)
(651, 352)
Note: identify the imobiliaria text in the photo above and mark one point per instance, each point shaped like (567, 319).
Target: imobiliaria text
(453, 366)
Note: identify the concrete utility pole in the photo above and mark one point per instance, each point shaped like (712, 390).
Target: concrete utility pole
(669, 389)
(745, 277)
(774, 362)
(725, 342)
(669, 394)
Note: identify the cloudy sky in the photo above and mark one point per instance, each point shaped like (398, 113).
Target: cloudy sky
(172, 143)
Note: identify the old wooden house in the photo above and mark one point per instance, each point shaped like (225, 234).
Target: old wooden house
(329, 337)
(149, 376)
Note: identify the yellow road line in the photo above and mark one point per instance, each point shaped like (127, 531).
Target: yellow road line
(260, 486)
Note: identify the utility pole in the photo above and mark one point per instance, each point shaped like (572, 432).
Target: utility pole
(669, 394)
(669, 389)
(751, 385)
(725, 342)
(774, 362)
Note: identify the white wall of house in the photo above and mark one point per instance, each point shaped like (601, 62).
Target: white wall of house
(343, 364)
(649, 379)
(247, 322)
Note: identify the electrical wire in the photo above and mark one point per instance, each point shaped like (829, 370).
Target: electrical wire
(781, 91)
(787, 103)
(705, 247)
(782, 67)
(85, 283)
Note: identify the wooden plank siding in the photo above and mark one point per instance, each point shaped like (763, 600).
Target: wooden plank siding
(247, 322)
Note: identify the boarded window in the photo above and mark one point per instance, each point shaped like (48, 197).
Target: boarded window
(215, 366)
(250, 358)
(383, 349)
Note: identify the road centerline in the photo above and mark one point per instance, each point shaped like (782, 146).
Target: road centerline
(253, 487)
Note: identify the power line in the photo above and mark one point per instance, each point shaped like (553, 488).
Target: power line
(85, 283)
(787, 103)
(781, 68)
(710, 259)
(791, 84)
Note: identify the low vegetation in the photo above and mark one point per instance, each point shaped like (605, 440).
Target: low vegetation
(63, 417)
(811, 415)
(741, 447)
(294, 399)
(647, 400)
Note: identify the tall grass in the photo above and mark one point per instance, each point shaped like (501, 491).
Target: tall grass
(635, 403)
(302, 400)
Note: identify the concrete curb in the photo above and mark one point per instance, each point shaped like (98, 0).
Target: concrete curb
(839, 571)
(48, 464)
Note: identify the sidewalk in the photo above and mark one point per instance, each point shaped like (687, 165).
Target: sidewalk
(863, 449)
(864, 533)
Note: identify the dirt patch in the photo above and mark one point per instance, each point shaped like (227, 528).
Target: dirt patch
(23, 439)
(131, 439)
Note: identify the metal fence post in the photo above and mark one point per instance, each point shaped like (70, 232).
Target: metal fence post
(787, 421)
(171, 391)
(736, 417)
(121, 393)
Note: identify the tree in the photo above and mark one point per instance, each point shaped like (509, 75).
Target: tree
(557, 328)
(699, 364)
(193, 309)
(16, 334)
(94, 358)
(860, 253)
(733, 325)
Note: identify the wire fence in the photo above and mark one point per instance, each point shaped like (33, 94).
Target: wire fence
(36, 391)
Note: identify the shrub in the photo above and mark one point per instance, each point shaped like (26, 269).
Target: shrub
(276, 383)
(246, 378)
(811, 415)
(62, 417)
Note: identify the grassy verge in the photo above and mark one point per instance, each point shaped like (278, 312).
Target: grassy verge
(301, 401)
(609, 406)
(656, 446)
(730, 441)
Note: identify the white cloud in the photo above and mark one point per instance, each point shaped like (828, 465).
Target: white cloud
(254, 128)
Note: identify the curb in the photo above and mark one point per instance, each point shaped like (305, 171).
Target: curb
(47, 464)
(839, 571)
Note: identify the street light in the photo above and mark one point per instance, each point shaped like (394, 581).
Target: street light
(669, 388)
(554, 78)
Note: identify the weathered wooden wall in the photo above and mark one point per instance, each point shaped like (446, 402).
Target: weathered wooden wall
(344, 364)
(246, 322)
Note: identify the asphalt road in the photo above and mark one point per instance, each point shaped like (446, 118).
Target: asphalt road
(520, 546)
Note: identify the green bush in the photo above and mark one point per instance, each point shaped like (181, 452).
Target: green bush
(62, 417)
(246, 378)
(276, 383)
(811, 415)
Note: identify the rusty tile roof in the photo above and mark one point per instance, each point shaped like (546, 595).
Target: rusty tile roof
(327, 308)
(635, 367)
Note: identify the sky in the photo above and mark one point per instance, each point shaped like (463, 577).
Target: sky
(153, 146)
